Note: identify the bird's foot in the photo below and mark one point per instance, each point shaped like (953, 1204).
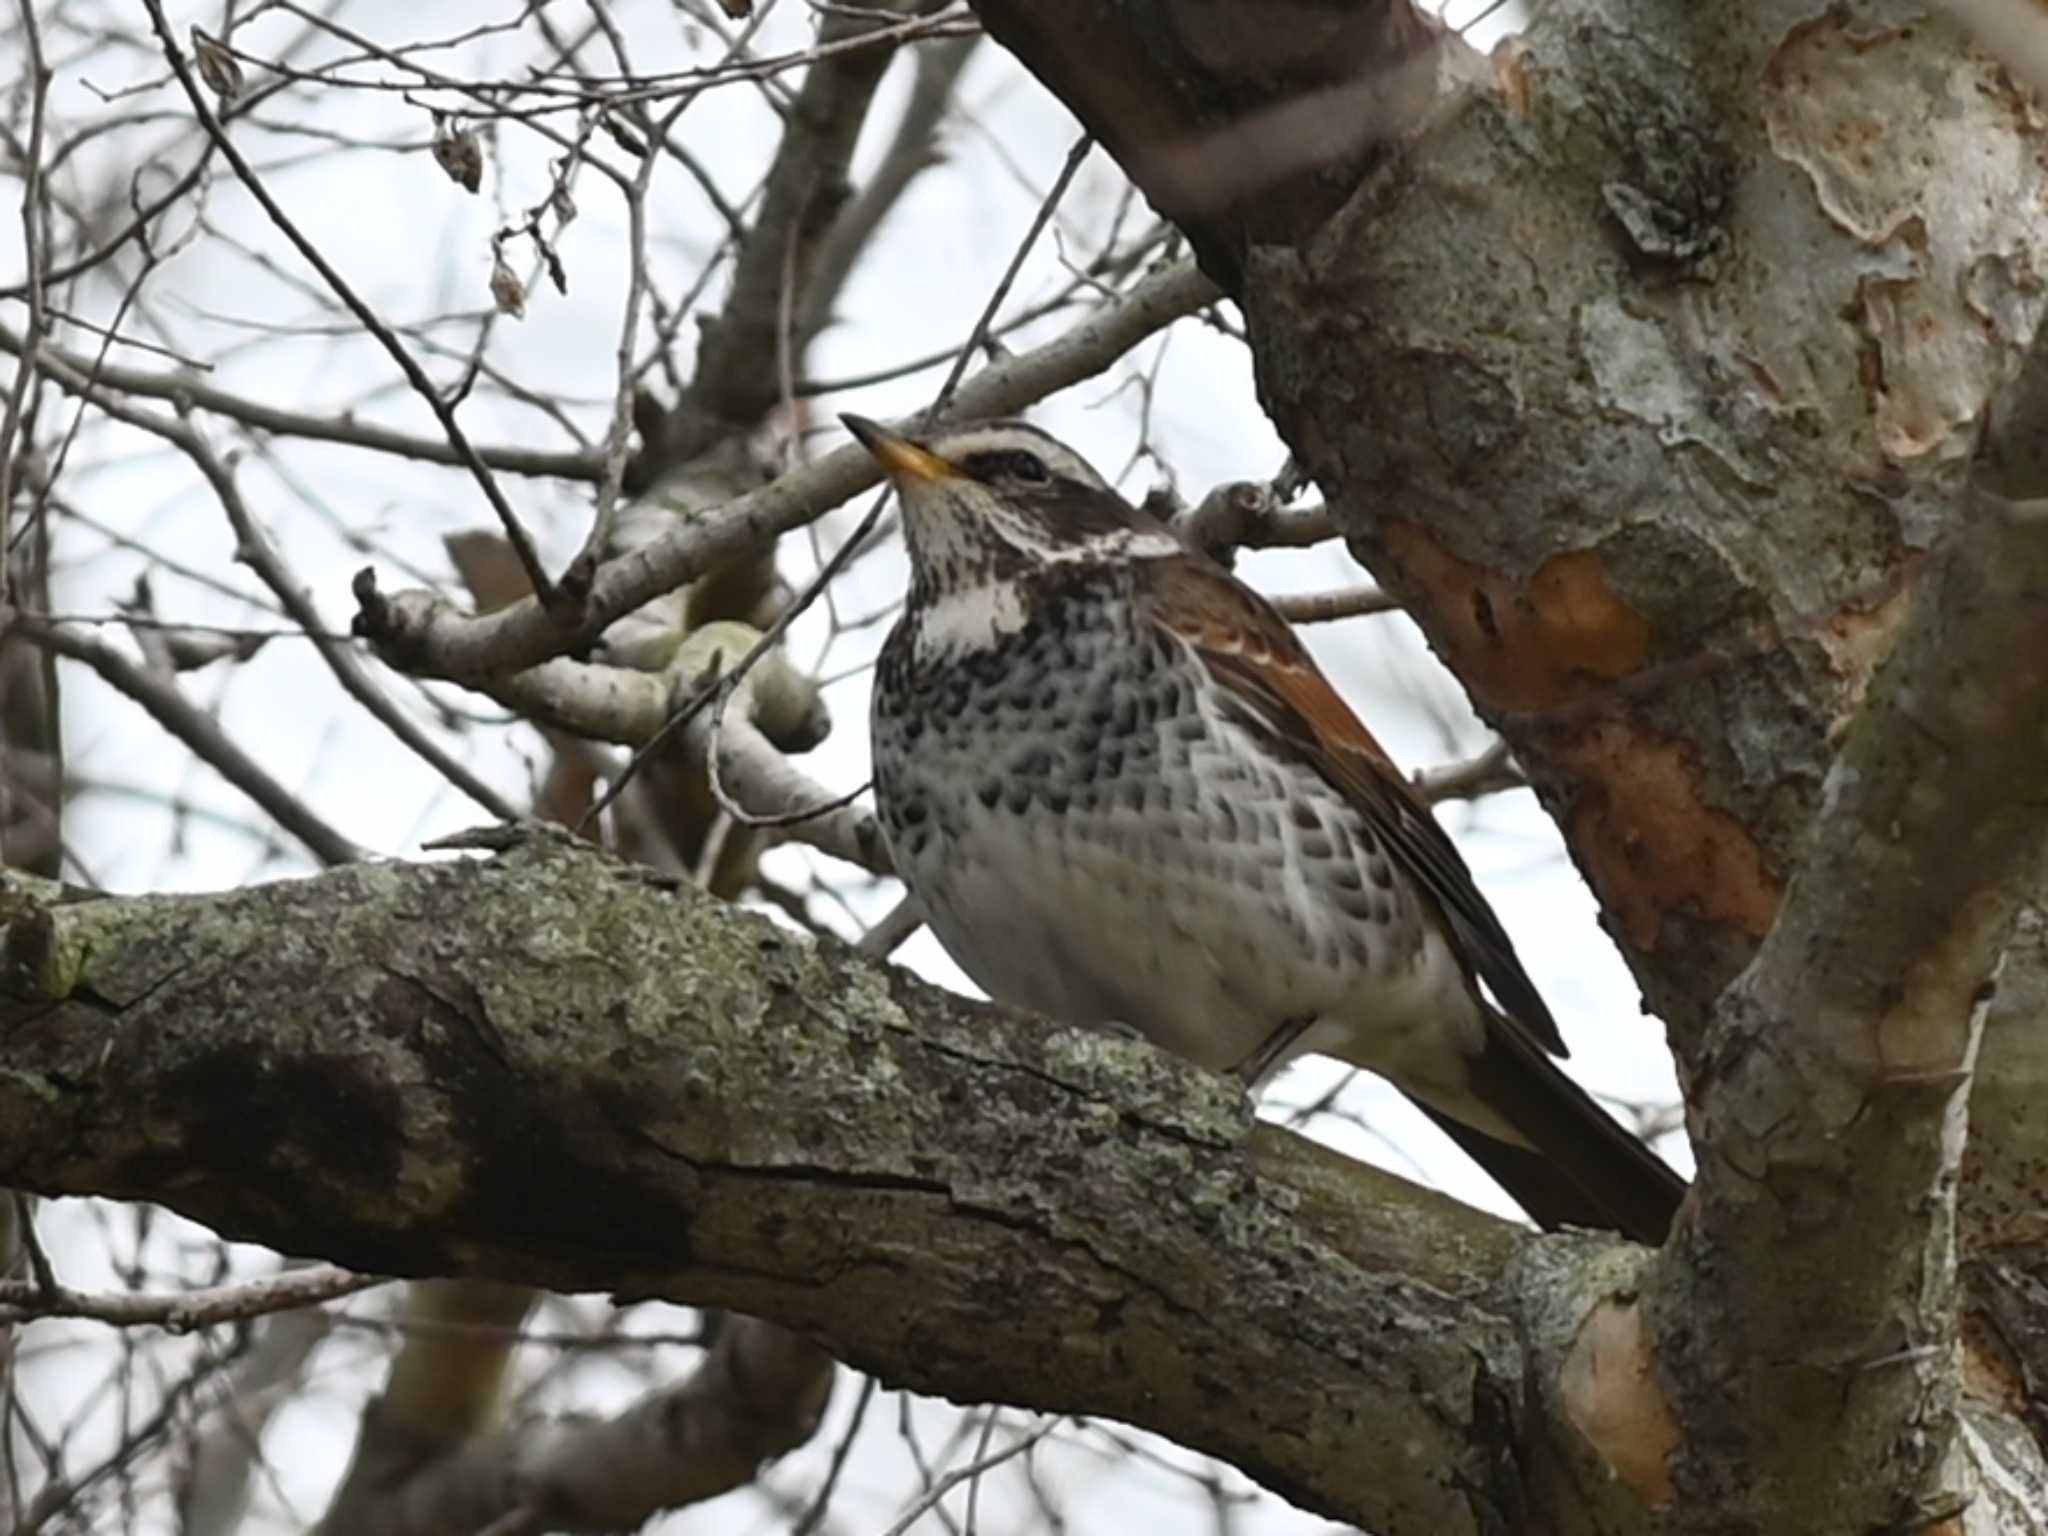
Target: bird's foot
(1273, 1053)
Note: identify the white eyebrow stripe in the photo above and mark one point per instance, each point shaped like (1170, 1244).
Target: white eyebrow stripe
(998, 436)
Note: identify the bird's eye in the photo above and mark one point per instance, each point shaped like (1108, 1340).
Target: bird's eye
(1007, 464)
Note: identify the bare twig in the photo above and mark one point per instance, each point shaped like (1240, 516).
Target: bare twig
(1491, 771)
(169, 707)
(32, 237)
(43, 1280)
(423, 633)
(736, 381)
(214, 1497)
(618, 438)
(185, 1310)
(263, 558)
(515, 532)
(638, 709)
(912, 149)
(330, 427)
(1252, 514)
(1338, 603)
(714, 693)
(972, 1471)
(893, 929)
(1047, 206)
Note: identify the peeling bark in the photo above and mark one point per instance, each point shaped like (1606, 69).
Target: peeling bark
(1815, 1282)
(1644, 374)
(1684, 394)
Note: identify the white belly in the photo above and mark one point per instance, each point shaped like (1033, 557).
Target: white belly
(1205, 918)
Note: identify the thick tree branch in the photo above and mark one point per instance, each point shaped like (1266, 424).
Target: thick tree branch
(806, 190)
(1816, 1281)
(758, 1392)
(1643, 380)
(555, 1069)
(1242, 123)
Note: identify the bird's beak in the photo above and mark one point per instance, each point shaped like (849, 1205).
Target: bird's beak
(901, 458)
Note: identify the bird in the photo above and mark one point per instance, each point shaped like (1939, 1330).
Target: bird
(1125, 798)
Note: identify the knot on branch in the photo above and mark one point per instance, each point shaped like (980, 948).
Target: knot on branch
(397, 624)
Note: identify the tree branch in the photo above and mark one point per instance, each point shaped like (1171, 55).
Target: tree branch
(1817, 1276)
(422, 633)
(166, 704)
(758, 1393)
(183, 1310)
(185, 390)
(454, 1068)
(1242, 124)
(805, 191)
(1565, 369)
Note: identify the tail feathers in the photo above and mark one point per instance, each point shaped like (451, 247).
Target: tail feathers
(1586, 1169)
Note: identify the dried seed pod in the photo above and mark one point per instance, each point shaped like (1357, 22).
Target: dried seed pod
(217, 67)
(458, 152)
(507, 292)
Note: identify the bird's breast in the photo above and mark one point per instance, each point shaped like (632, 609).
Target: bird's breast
(1092, 836)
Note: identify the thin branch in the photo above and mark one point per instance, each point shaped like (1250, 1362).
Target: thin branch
(736, 382)
(1338, 603)
(32, 235)
(618, 439)
(912, 150)
(952, 1479)
(1490, 772)
(515, 532)
(181, 1312)
(168, 706)
(423, 633)
(893, 930)
(1253, 514)
(227, 1447)
(186, 392)
(263, 558)
(714, 693)
(1047, 206)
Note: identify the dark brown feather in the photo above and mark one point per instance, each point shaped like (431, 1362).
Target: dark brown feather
(1251, 651)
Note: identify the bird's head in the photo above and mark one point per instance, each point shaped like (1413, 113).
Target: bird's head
(996, 500)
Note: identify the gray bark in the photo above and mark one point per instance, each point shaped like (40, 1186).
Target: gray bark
(556, 1069)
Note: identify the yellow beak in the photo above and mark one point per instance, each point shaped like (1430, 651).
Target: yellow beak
(899, 457)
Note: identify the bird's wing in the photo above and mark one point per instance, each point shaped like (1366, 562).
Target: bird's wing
(1253, 654)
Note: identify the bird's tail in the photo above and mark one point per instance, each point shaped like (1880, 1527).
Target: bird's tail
(1585, 1169)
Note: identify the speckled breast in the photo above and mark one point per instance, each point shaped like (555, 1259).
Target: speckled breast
(1091, 837)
